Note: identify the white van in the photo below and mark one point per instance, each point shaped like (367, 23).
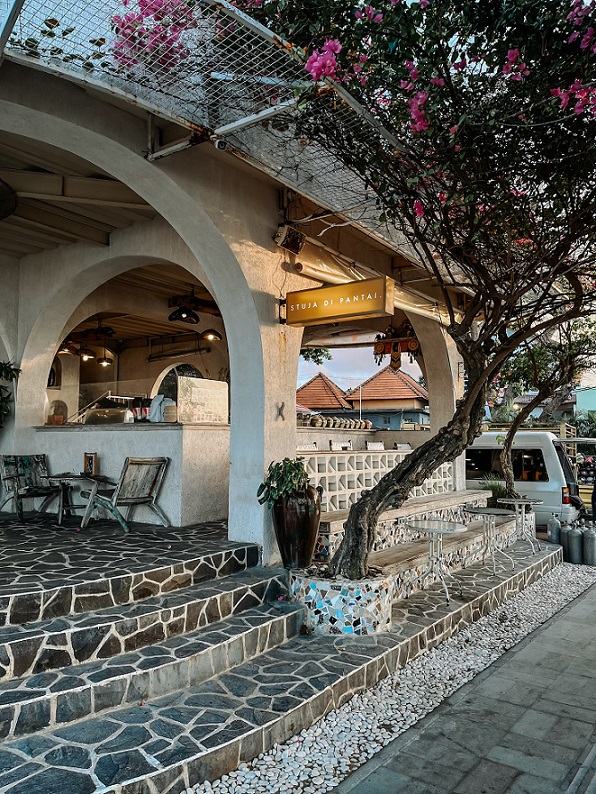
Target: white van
(541, 468)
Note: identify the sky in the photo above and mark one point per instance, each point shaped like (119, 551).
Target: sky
(350, 366)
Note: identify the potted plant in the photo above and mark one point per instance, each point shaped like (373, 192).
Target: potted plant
(295, 508)
(8, 374)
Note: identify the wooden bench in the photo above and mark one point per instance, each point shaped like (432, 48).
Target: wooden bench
(404, 556)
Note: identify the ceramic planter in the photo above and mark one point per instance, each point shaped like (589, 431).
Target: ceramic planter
(296, 520)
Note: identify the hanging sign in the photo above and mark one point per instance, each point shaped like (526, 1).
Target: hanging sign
(355, 300)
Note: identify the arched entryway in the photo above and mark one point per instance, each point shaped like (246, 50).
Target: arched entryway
(260, 351)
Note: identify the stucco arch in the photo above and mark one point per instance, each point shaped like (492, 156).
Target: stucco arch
(114, 141)
(163, 373)
(69, 301)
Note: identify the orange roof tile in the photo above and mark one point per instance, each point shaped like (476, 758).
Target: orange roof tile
(320, 393)
(389, 384)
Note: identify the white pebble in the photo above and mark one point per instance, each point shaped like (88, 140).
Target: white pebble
(318, 758)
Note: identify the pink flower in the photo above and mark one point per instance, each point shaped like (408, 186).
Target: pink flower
(442, 197)
(417, 112)
(437, 81)
(453, 130)
(332, 45)
(418, 209)
(588, 36)
(424, 3)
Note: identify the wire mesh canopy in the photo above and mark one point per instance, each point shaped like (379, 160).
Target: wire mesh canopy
(209, 67)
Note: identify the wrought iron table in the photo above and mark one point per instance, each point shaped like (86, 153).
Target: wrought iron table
(435, 531)
(489, 517)
(66, 480)
(525, 519)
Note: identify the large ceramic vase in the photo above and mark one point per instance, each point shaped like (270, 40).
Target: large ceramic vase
(296, 520)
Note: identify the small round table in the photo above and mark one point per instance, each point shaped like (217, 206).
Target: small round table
(525, 526)
(66, 480)
(489, 517)
(435, 531)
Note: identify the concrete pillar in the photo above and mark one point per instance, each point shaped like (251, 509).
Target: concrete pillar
(444, 379)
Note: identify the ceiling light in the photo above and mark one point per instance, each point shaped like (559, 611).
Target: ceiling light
(104, 361)
(104, 330)
(211, 335)
(86, 353)
(67, 348)
(184, 314)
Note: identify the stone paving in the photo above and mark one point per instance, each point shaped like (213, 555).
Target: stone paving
(48, 644)
(47, 571)
(52, 698)
(168, 743)
(526, 725)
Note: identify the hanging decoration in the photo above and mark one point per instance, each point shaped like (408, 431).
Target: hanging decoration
(394, 342)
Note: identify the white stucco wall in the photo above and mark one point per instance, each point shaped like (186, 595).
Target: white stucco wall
(195, 487)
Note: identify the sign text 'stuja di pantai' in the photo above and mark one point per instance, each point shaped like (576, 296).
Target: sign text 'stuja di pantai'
(354, 300)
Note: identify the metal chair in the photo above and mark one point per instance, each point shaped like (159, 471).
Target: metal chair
(139, 484)
(26, 477)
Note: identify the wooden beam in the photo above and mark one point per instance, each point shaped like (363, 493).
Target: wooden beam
(50, 221)
(24, 227)
(72, 215)
(73, 189)
(26, 156)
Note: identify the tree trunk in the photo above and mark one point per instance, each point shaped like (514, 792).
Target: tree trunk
(505, 457)
(554, 403)
(351, 557)
(562, 376)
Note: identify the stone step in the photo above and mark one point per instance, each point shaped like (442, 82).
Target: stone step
(73, 639)
(174, 742)
(64, 583)
(46, 700)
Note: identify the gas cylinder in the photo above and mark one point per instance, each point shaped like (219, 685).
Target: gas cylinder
(574, 544)
(564, 540)
(589, 546)
(553, 529)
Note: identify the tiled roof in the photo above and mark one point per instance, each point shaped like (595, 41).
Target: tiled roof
(302, 409)
(389, 384)
(320, 393)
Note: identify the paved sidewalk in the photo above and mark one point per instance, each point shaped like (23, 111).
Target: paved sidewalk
(526, 725)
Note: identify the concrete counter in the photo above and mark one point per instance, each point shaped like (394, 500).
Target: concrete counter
(196, 484)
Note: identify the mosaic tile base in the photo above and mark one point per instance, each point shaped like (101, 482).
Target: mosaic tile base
(343, 606)
(48, 571)
(336, 607)
(171, 743)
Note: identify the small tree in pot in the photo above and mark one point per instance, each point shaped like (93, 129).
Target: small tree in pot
(296, 510)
